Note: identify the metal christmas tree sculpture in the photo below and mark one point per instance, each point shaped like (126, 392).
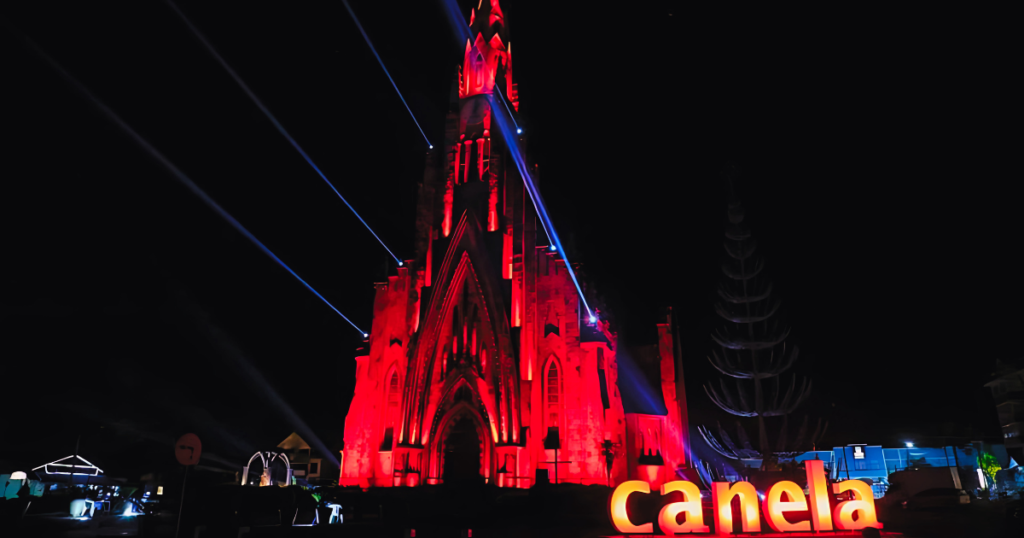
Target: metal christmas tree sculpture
(751, 349)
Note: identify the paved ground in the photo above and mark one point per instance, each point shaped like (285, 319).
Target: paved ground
(980, 519)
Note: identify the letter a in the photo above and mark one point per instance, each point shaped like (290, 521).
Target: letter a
(864, 502)
(668, 517)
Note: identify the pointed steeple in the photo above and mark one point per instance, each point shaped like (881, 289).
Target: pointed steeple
(488, 20)
(487, 58)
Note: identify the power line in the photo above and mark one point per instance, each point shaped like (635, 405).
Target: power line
(245, 87)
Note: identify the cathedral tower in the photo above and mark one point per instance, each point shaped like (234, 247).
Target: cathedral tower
(481, 362)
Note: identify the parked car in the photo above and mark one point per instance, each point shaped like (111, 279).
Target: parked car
(937, 498)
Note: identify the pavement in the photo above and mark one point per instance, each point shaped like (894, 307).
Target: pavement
(980, 519)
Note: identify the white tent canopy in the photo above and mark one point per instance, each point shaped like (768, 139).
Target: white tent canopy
(76, 465)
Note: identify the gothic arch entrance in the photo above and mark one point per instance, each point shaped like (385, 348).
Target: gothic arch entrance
(461, 447)
(462, 455)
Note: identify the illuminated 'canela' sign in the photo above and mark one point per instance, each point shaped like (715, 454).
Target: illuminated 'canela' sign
(854, 514)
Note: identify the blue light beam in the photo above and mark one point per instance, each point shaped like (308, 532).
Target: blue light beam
(538, 202)
(381, 62)
(519, 130)
(179, 175)
(462, 31)
(245, 87)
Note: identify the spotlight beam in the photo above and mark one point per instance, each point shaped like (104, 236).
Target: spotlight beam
(538, 201)
(519, 130)
(178, 174)
(462, 30)
(245, 87)
(381, 62)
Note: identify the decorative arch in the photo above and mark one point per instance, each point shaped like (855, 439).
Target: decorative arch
(391, 408)
(448, 400)
(491, 372)
(553, 393)
(445, 424)
(266, 458)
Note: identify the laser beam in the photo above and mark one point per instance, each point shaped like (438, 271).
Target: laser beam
(381, 62)
(245, 87)
(538, 202)
(461, 29)
(178, 174)
(253, 378)
(504, 101)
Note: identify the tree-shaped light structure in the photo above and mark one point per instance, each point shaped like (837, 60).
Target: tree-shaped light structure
(751, 347)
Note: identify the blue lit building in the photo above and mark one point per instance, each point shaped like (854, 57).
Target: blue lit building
(873, 464)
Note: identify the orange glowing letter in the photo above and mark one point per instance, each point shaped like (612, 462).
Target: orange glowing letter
(821, 514)
(722, 494)
(620, 519)
(864, 502)
(775, 508)
(668, 517)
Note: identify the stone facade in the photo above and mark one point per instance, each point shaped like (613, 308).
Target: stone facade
(484, 327)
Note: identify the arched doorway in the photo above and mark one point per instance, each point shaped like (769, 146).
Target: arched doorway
(462, 453)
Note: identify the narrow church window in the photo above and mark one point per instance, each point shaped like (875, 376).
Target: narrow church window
(455, 332)
(602, 377)
(466, 165)
(391, 412)
(483, 160)
(552, 394)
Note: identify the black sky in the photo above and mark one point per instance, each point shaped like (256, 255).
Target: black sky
(878, 154)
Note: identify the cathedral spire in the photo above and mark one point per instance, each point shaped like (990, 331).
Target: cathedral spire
(488, 19)
(488, 54)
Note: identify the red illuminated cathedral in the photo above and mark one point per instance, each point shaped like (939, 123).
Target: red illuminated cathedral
(481, 364)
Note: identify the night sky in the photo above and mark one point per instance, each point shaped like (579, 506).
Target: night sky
(879, 159)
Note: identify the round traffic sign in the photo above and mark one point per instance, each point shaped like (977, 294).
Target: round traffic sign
(187, 449)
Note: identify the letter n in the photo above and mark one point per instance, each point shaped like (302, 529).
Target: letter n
(722, 494)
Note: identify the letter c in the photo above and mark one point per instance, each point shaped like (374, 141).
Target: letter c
(620, 519)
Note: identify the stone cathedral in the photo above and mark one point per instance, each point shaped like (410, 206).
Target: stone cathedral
(480, 364)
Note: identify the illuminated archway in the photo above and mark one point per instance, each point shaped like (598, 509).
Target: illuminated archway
(461, 399)
(266, 458)
(458, 412)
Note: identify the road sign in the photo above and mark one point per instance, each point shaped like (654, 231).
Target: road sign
(187, 449)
